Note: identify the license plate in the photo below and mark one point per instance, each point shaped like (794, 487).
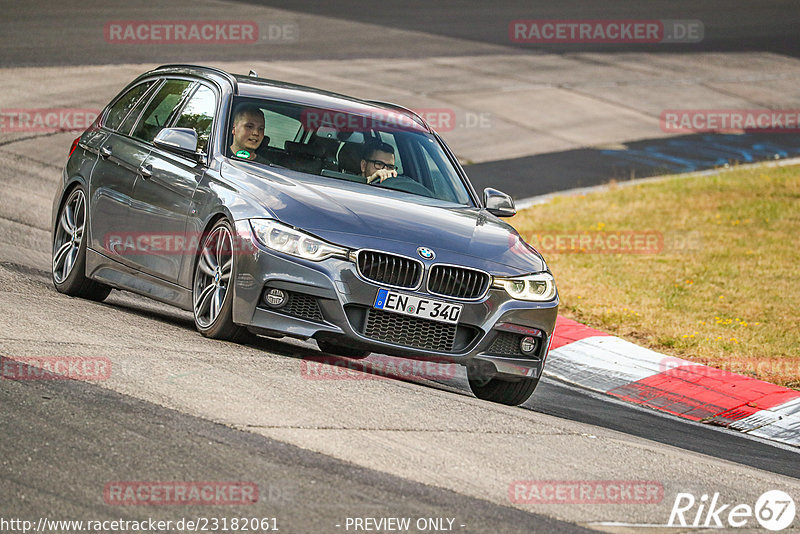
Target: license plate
(421, 307)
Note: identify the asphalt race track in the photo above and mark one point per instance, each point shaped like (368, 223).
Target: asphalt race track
(178, 407)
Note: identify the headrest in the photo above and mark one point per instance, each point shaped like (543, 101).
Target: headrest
(329, 145)
(301, 149)
(350, 157)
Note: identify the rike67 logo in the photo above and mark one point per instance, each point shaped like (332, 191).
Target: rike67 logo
(774, 510)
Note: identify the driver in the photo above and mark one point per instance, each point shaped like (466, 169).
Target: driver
(377, 161)
(248, 133)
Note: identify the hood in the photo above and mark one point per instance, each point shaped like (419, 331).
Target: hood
(355, 215)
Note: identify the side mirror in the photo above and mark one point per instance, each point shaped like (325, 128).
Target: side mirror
(498, 203)
(181, 141)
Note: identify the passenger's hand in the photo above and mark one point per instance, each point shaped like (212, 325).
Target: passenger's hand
(381, 175)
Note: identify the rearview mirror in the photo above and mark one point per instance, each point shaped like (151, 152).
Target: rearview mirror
(181, 141)
(498, 203)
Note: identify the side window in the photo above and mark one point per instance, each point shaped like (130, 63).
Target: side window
(438, 182)
(198, 114)
(442, 175)
(160, 109)
(120, 109)
(133, 116)
(280, 128)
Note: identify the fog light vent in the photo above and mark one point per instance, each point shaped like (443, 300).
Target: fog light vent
(528, 345)
(275, 298)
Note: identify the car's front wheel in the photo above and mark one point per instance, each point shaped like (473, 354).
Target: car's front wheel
(212, 290)
(69, 250)
(510, 392)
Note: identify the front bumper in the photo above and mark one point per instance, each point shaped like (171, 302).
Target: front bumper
(330, 300)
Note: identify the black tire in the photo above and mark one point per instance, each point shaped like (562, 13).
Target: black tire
(510, 393)
(329, 347)
(68, 265)
(218, 322)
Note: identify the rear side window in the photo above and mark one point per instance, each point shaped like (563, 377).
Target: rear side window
(198, 114)
(133, 116)
(280, 128)
(160, 109)
(122, 107)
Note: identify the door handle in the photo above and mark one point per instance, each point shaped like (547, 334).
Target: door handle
(105, 152)
(146, 171)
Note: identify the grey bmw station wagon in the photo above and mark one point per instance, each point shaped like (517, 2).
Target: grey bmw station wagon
(270, 208)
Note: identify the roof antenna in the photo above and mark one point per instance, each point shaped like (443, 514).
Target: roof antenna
(253, 73)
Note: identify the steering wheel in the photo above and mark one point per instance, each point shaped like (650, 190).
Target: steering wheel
(406, 184)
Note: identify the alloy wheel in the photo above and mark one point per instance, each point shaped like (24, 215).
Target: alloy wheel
(69, 234)
(213, 276)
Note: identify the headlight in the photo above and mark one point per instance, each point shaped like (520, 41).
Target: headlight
(286, 239)
(537, 287)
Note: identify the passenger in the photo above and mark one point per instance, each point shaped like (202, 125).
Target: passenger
(248, 133)
(377, 161)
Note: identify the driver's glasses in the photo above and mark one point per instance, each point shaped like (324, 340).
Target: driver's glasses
(382, 164)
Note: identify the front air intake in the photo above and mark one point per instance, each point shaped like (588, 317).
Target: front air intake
(389, 269)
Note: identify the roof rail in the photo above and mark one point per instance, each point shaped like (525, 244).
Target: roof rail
(227, 75)
(401, 108)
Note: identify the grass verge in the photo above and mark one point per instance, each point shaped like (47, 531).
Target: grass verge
(705, 268)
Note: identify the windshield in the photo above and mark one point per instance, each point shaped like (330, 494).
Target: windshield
(383, 149)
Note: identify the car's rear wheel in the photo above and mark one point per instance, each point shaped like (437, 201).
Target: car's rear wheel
(212, 292)
(329, 347)
(510, 392)
(69, 250)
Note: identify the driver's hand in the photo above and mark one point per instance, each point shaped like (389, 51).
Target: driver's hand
(381, 175)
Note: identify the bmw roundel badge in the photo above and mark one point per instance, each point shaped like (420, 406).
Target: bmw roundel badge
(425, 253)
